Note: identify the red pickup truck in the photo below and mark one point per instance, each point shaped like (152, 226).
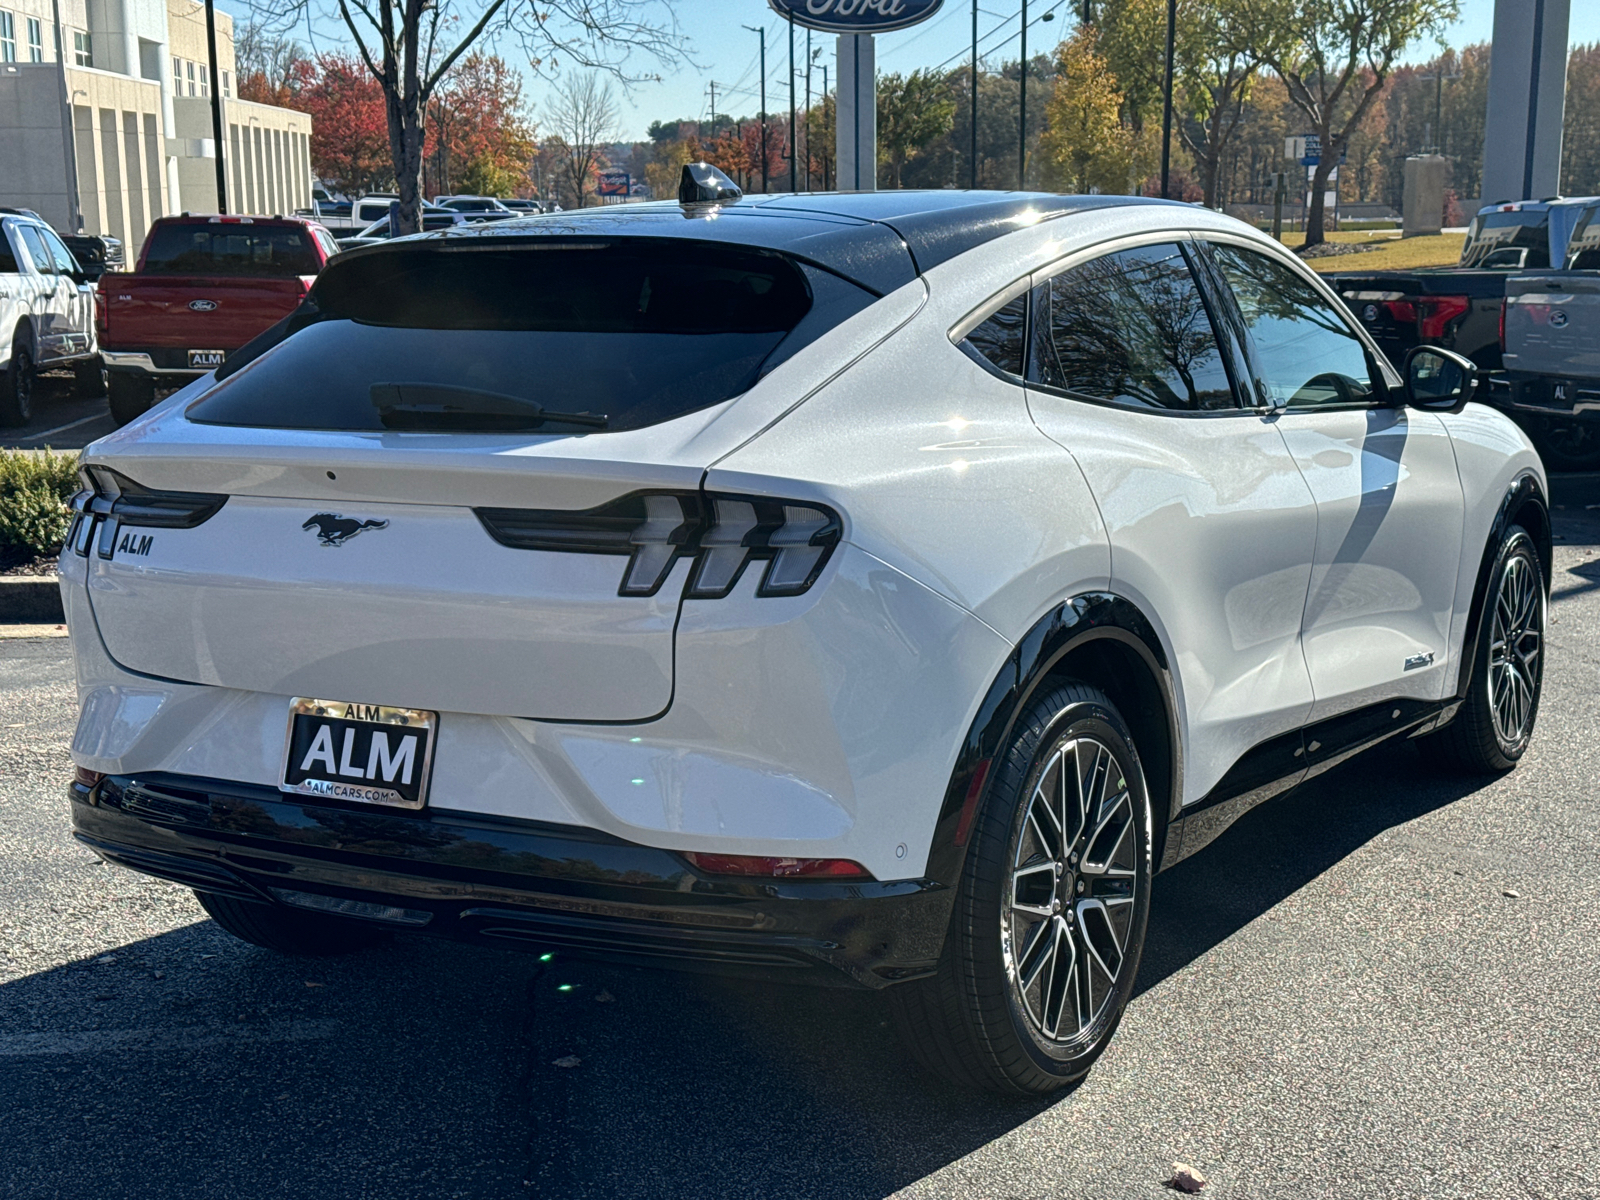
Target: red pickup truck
(203, 287)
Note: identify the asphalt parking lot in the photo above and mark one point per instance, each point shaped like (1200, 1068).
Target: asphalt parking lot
(61, 419)
(1386, 984)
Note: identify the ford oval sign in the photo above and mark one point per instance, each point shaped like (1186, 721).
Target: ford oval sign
(203, 305)
(856, 16)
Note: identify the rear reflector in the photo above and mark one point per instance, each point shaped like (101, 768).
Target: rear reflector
(778, 868)
(85, 777)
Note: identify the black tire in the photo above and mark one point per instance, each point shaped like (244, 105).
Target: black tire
(89, 378)
(16, 388)
(131, 396)
(288, 930)
(1493, 727)
(980, 1021)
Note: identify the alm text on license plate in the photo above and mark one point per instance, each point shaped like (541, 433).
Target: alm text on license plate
(367, 753)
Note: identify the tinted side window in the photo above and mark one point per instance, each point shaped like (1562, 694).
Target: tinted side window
(8, 257)
(1305, 353)
(1000, 339)
(1131, 328)
(42, 262)
(65, 263)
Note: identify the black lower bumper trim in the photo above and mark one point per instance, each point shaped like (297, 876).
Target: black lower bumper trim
(513, 882)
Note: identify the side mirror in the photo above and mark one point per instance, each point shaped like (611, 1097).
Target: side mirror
(1438, 380)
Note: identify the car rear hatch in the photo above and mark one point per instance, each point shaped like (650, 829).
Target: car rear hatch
(465, 484)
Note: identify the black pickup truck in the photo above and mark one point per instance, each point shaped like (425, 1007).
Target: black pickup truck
(1461, 307)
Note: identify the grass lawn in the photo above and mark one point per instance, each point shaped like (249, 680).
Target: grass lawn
(1390, 252)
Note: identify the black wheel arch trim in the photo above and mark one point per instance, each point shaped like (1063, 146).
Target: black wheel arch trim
(1071, 625)
(1525, 494)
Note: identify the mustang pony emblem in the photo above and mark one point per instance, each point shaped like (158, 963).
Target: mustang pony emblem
(336, 530)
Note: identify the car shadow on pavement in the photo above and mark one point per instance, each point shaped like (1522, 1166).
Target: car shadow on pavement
(1281, 846)
(192, 1065)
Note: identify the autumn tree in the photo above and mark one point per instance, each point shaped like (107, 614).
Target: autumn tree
(411, 46)
(1334, 57)
(912, 110)
(482, 136)
(267, 65)
(1085, 140)
(349, 130)
(1215, 77)
(582, 118)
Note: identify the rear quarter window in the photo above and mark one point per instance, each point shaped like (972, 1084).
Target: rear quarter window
(230, 250)
(1489, 232)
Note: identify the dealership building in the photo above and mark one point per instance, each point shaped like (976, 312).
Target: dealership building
(117, 131)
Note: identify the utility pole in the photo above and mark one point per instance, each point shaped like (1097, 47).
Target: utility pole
(827, 134)
(216, 108)
(1022, 140)
(760, 31)
(713, 108)
(808, 108)
(794, 165)
(1166, 103)
(972, 165)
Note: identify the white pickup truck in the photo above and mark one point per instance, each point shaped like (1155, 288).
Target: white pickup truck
(46, 315)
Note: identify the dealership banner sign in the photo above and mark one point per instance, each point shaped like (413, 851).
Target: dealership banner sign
(856, 16)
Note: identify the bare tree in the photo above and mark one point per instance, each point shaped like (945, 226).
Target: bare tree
(582, 117)
(264, 62)
(410, 46)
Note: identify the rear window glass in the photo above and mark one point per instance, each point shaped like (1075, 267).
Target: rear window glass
(1508, 230)
(479, 337)
(229, 250)
(1583, 251)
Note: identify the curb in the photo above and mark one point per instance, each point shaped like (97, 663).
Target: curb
(28, 598)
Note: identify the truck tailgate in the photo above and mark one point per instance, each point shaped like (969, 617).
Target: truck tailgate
(1552, 324)
(218, 312)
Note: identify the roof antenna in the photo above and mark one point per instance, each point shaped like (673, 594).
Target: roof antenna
(701, 182)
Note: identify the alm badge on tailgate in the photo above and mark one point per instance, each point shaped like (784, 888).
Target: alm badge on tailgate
(365, 753)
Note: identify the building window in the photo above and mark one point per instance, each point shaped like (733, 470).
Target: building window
(225, 84)
(177, 75)
(8, 38)
(189, 69)
(82, 49)
(205, 81)
(35, 40)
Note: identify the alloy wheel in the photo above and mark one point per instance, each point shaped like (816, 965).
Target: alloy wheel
(1071, 896)
(1515, 643)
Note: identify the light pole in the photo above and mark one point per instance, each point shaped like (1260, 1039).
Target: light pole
(762, 34)
(1437, 132)
(972, 165)
(827, 134)
(794, 179)
(1022, 139)
(216, 107)
(1166, 103)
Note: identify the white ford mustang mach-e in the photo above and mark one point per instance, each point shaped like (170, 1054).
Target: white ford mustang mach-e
(875, 589)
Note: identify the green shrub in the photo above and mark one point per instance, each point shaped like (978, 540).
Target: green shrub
(34, 490)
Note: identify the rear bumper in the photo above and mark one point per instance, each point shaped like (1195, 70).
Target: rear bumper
(513, 882)
(157, 364)
(1575, 399)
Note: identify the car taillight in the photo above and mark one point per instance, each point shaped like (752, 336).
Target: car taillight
(110, 500)
(778, 868)
(100, 313)
(1438, 312)
(1402, 311)
(1502, 327)
(722, 533)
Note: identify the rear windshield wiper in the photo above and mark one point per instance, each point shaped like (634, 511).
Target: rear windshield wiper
(434, 406)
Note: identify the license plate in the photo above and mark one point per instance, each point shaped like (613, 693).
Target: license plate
(366, 753)
(207, 358)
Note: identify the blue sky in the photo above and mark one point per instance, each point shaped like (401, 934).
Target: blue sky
(726, 52)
